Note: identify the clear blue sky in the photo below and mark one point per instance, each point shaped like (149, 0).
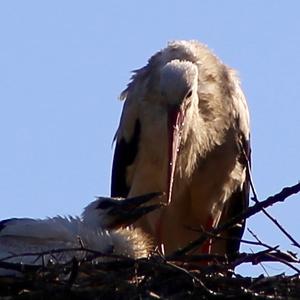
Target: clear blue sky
(64, 63)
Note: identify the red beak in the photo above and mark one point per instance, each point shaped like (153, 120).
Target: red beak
(176, 118)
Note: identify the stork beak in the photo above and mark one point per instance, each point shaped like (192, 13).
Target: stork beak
(127, 211)
(176, 118)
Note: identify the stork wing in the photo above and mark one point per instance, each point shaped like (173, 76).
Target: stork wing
(125, 153)
(19, 236)
(22, 240)
(235, 205)
(128, 134)
(119, 186)
(239, 199)
(57, 228)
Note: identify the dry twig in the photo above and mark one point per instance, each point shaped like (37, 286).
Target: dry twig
(256, 208)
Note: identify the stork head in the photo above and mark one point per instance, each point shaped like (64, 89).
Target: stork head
(178, 88)
(114, 213)
(178, 82)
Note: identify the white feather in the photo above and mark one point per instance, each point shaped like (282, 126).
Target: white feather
(21, 240)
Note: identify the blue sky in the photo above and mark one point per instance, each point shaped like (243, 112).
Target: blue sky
(64, 63)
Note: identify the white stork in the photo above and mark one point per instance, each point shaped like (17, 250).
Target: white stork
(100, 228)
(185, 131)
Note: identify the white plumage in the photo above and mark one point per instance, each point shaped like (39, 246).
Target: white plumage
(100, 228)
(185, 131)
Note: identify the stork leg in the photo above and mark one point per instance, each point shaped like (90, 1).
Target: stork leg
(207, 246)
(158, 231)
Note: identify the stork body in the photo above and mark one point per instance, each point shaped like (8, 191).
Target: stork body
(100, 228)
(184, 130)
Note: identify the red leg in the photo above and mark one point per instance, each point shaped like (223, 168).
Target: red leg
(206, 247)
(158, 232)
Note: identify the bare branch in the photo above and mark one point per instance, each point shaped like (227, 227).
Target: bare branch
(255, 198)
(256, 208)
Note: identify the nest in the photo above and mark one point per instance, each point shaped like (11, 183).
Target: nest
(149, 278)
(179, 276)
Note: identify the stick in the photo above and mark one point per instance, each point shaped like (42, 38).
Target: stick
(250, 211)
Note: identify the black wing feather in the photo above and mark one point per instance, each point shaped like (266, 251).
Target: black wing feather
(124, 156)
(237, 203)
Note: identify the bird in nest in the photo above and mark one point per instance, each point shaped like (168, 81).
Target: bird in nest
(102, 227)
(185, 131)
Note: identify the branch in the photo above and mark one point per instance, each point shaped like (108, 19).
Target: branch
(255, 197)
(250, 211)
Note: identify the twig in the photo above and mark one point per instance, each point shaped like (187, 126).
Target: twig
(63, 250)
(281, 228)
(260, 242)
(207, 291)
(218, 237)
(262, 266)
(269, 255)
(257, 238)
(287, 263)
(255, 199)
(74, 272)
(19, 267)
(256, 208)
(284, 261)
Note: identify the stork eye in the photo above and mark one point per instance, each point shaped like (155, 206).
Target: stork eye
(189, 94)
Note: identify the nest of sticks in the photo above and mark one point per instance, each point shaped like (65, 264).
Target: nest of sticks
(178, 276)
